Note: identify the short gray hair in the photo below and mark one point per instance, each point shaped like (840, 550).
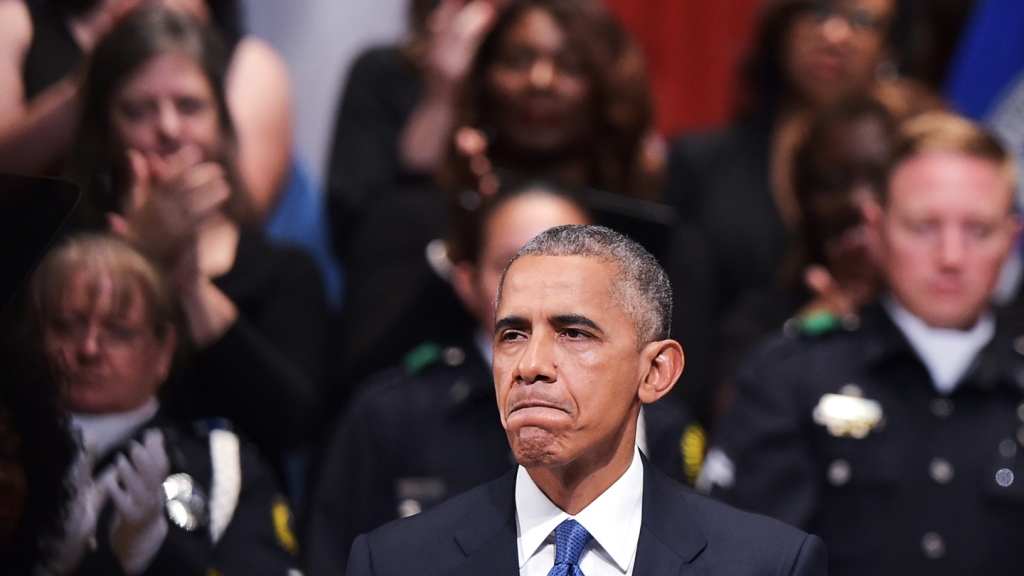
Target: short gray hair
(641, 282)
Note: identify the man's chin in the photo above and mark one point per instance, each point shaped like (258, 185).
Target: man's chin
(535, 447)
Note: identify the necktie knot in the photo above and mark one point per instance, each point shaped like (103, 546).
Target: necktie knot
(570, 540)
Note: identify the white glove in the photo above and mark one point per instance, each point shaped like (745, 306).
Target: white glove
(139, 526)
(80, 525)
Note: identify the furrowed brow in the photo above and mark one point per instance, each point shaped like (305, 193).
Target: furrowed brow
(510, 322)
(564, 320)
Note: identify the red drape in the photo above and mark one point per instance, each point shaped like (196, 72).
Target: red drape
(693, 48)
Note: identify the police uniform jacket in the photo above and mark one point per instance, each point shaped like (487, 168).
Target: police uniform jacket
(935, 485)
(420, 434)
(257, 541)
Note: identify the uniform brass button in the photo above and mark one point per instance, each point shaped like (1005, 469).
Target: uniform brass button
(941, 470)
(850, 322)
(1018, 345)
(941, 407)
(1008, 448)
(839, 473)
(933, 546)
(454, 356)
(852, 390)
(459, 391)
(1004, 477)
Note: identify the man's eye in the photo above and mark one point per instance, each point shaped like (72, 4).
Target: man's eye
(575, 334)
(510, 335)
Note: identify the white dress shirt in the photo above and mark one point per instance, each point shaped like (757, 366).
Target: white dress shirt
(613, 519)
(946, 353)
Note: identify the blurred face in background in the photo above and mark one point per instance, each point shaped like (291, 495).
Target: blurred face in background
(506, 231)
(540, 96)
(167, 106)
(13, 480)
(834, 47)
(944, 234)
(848, 170)
(101, 337)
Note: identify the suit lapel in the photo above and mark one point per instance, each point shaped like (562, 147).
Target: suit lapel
(490, 543)
(669, 536)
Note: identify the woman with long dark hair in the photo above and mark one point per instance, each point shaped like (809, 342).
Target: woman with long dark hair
(157, 162)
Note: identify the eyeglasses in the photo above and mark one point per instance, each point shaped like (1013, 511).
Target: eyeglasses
(859, 19)
(106, 335)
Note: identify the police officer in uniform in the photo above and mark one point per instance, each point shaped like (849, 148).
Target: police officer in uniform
(151, 496)
(429, 429)
(897, 436)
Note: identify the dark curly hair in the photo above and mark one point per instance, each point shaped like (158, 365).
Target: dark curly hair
(762, 76)
(617, 72)
(29, 393)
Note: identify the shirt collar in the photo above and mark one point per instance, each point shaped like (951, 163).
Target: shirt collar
(613, 519)
(101, 433)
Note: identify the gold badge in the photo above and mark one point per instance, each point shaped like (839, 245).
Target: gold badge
(847, 416)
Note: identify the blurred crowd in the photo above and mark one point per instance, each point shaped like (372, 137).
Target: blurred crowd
(186, 391)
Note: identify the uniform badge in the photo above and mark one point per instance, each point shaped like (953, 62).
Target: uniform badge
(847, 416)
(186, 503)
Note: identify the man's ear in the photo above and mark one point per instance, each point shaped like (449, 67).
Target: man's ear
(664, 361)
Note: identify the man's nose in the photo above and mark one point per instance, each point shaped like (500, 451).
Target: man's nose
(951, 248)
(542, 74)
(537, 363)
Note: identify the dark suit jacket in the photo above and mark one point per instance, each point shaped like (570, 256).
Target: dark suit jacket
(682, 533)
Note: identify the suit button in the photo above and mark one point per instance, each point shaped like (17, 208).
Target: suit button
(933, 546)
(1020, 411)
(941, 407)
(941, 470)
(1004, 477)
(839, 473)
(1018, 345)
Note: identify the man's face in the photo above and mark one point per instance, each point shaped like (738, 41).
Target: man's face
(105, 345)
(944, 235)
(566, 362)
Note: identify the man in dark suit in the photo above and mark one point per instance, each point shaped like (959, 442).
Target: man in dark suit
(581, 342)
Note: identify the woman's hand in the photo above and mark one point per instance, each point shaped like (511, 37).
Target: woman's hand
(170, 199)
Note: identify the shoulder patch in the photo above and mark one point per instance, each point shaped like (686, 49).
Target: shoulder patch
(282, 516)
(422, 356)
(818, 323)
(693, 445)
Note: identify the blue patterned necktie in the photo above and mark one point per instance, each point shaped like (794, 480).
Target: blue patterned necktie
(570, 540)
